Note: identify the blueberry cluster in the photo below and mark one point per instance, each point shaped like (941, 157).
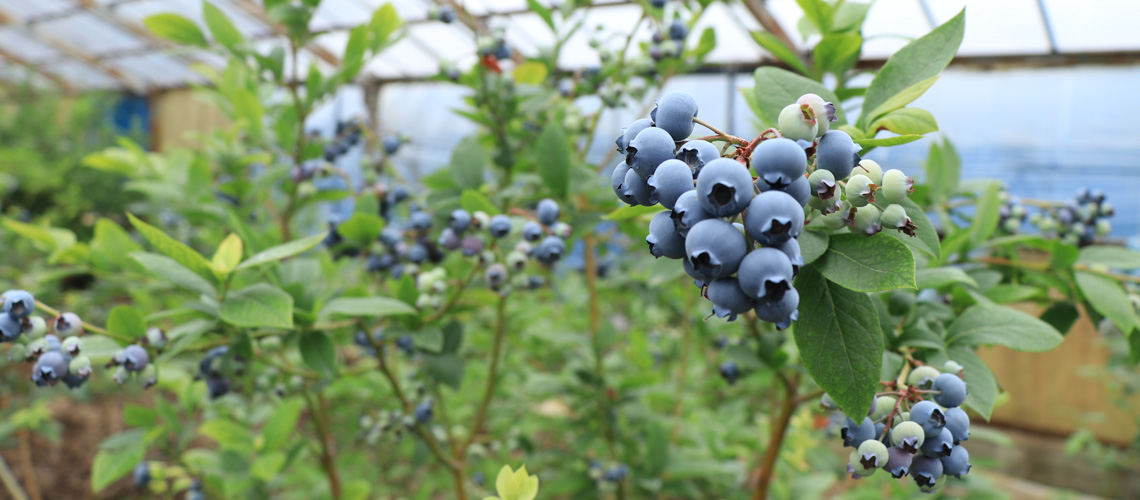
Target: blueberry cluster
(347, 137)
(905, 434)
(58, 356)
(444, 14)
(393, 423)
(671, 44)
(216, 367)
(408, 246)
(130, 361)
(1078, 221)
(147, 472)
(495, 46)
(615, 473)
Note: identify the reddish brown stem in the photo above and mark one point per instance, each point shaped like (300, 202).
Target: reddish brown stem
(779, 430)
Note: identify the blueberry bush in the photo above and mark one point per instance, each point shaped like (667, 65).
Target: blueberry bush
(308, 332)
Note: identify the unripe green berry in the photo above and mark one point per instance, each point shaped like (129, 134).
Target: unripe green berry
(871, 169)
(860, 190)
(823, 110)
(16, 352)
(822, 184)
(952, 366)
(857, 467)
(868, 220)
(35, 327)
(883, 406)
(827, 403)
(922, 377)
(838, 219)
(793, 125)
(896, 186)
(828, 206)
(1011, 225)
(1103, 227)
(908, 435)
(872, 454)
(895, 217)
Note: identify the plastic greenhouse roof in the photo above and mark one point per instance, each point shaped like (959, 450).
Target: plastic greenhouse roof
(79, 45)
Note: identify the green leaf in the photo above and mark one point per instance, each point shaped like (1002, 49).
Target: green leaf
(941, 277)
(282, 251)
(175, 28)
(812, 245)
(281, 424)
(467, 164)
(1110, 256)
(552, 157)
(173, 272)
(362, 228)
(266, 467)
(366, 307)
(777, 87)
(530, 72)
(126, 320)
(706, 43)
(248, 107)
(776, 47)
(112, 464)
(887, 141)
(905, 121)
(991, 324)
(474, 201)
(542, 12)
(864, 264)
(220, 26)
(926, 236)
(228, 434)
(258, 305)
(228, 254)
(943, 169)
(140, 416)
(897, 101)
(452, 337)
(919, 334)
(1108, 298)
(818, 12)
(837, 52)
(429, 339)
(353, 59)
(986, 213)
(385, 21)
(917, 61)
(319, 352)
(839, 340)
(1061, 316)
(174, 249)
(632, 212)
(1007, 293)
(111, 246)
(445, 368)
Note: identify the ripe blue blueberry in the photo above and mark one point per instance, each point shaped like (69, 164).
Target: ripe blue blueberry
(730, 372)
(688, 211)
(635, 191)
(672, 179)
(715, 248)
(617, 178)
(420, 221)
(550, 250)
(424, 411)
(837, 153)
(629, 132)
(67, 324)
(678, 30)
(700, 280)
(10, 328)
(391, 144)
(793, 125)
(728, 299)
(908, 435)
(938, 445)
(472, 245)
(407, 344)
(800, 189)
(135, 358)
(547, 212)
(141, 475)
(532, 231)
(791, 248)
(929, 416)
(925, 470)
(827, 402)
(447, 239)
(674, 113)
(417, 253)
(872, 454)
(391, 236)
(646, 151)
(724, 187)
(773, 218)
(779, 162)
(19, 303)
(500, 226)
(780, 312)
(898, 462)
(952, 390)
(660, 4)
(766, 273)
(459, 220)
(855, 434)
(663, 238)
(957, 463)
(49, 369)
(958, 422)
(496, 276)
(696, 154)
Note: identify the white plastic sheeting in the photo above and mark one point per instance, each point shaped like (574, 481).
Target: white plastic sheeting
(103, 37)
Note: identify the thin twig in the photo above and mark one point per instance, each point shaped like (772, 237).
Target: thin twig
(779, 430)
(10, 482)
(454, 297)
(492, 373)
(26, 463)
(88, 326)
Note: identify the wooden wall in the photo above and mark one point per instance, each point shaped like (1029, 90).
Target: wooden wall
(1060, 391)
(178, 115)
